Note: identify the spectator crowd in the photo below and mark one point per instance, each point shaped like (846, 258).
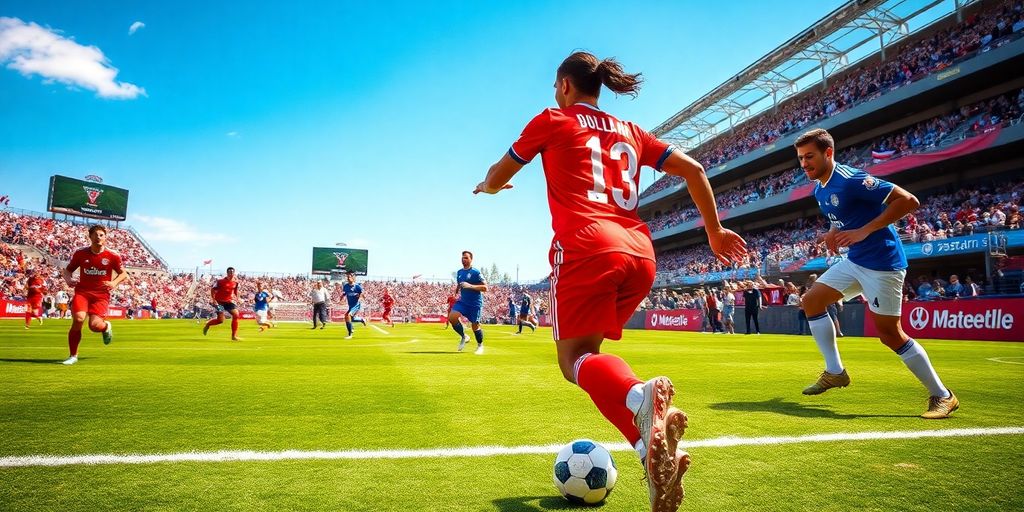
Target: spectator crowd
(989, 28)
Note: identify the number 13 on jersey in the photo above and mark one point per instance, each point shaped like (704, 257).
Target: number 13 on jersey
(626, 199)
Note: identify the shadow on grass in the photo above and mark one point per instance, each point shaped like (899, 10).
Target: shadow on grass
(33, 361)
(538, 503)
(797, 409)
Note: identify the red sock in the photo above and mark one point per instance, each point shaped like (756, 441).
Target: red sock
(28, 316)
(74, 338)
(213, 322)
(608, 379)
(234, 327)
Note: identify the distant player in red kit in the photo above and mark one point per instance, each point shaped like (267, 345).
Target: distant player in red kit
(388, 302)
(452, 299)
(34, 297)
(99, 272)
(223, 294)
(602, 257)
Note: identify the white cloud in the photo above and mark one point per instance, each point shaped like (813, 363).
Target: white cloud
(171, 230)
(232, 134)
(135, 27)
(33, 50)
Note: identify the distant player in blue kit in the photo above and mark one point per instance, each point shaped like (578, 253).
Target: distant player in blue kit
(260, 306)
(353, 292)
(471, 287)
(512, 310)
(862, 209)
(525, 312)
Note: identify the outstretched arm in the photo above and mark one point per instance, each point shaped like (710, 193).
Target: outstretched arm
(499, 175)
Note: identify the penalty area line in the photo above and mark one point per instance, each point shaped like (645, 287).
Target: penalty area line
(382, 331)
(472, 451)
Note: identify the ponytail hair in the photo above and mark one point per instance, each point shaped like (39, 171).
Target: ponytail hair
(588, 73)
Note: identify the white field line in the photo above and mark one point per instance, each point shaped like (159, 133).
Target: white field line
(1001, 360)
(473, 451)
(241, 348)
(382, 331)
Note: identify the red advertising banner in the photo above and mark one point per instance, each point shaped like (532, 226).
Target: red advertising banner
(967, 319)
(9, 309)
(432, 319)
(674, 320)
(16, 309)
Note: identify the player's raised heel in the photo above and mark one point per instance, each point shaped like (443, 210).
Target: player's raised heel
(108, 334)
(940, 408)
(827, 381)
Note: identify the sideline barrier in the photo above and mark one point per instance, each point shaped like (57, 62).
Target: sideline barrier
(16, 309)
(963, 319)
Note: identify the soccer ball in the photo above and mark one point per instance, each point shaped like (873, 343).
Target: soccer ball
(585, 472)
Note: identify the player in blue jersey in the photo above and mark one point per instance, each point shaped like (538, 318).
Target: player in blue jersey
(513, 310)
(861, 209)
(260, 306)
(525, 312)
(353, 292)
(471, 287)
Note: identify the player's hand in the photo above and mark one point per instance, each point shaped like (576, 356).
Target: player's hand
(848, 238)
(482, 187)
(727, 246)
(109, 285)
(830, 242)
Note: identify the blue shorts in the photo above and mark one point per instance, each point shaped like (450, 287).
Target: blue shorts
(352, 310)
(472, 313)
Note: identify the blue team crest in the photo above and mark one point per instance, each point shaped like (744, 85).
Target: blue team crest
(870, 183)
(834, 199)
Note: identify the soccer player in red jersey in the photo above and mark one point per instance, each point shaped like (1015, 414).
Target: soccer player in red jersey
(99, 272)
(36, 291)
(388, 302)
(452, 299)
(223, 295)
(602, 257)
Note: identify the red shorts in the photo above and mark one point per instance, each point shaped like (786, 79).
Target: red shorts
(35, 302)
(94, 303)
(598, 294)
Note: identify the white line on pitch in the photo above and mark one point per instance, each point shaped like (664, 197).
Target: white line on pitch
(473, 451)
(379, 329)
(239, 348)
(1000, 360)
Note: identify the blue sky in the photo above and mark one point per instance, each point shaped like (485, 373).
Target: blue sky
(250, 134)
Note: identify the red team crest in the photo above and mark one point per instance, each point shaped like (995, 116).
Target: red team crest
(341, 258)
(93, 193)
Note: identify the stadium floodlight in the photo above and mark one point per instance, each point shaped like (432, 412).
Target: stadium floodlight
(341, 244)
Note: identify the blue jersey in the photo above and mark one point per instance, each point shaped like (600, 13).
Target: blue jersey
(261, 301)
(512, 309)
(850, 199)
(524, 307)
(352, 293)
(466, 296)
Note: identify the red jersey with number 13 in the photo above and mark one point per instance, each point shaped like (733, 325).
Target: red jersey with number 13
(592, 166)
(96, 269)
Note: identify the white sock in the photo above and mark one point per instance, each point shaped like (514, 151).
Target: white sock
(917, 361)
(641, 450)
(635, 398)
(824, 332)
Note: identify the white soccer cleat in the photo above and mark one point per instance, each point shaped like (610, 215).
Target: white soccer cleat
(462, 344)
(70, 361)
(661, 426)
(348, 337)
(479, 350)
(108, 334)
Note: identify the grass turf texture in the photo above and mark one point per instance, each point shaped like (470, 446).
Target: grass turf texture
(164, 388)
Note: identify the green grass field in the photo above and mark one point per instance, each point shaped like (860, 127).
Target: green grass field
(162, 387)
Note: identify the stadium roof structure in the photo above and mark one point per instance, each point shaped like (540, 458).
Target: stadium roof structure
(856, 30)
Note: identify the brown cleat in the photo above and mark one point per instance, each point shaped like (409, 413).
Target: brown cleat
(827, 381)
(940, 408)
(661, 426)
